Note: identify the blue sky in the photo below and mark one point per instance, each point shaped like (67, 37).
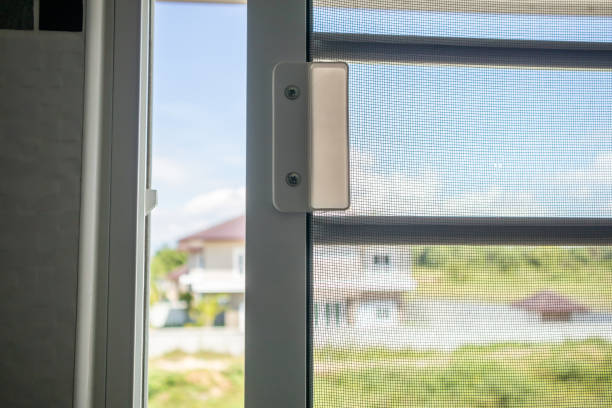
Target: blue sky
(199, 114)
(425, 140)
(471, 141)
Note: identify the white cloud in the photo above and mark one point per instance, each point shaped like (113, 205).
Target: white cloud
(599, 171)
(202, 211)
(170, 171)
(227, 199)
(427, 193)
(394, 193)
(602, 167)
(391, 193)
(494, 203)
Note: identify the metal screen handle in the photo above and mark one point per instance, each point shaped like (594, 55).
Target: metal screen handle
(328, 148)
(310, 137)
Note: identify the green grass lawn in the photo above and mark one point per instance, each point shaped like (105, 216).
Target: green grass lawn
(504, 274)
(576, 374)
(572, 374)
(200, 380)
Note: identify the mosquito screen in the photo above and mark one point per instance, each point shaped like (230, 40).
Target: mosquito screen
(471, 268)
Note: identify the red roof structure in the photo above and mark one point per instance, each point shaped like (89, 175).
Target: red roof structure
(551, 305)
(231, 230)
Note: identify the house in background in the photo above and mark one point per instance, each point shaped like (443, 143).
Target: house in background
(366, 287)
(215, 266)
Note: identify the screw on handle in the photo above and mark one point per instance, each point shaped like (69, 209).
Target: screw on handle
(292, 92)
(293, 179)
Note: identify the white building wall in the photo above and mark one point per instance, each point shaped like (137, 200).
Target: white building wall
(220, 255)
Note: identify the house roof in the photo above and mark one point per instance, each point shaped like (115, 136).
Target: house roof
(549, 302)
(231, 230)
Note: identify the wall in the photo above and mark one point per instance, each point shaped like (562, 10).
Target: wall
(220, 255)
(41, 97)
(196, 339)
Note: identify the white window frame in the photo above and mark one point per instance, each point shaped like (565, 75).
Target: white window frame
(237, 268)
(276, 365)
(197, 260)
(112, 315)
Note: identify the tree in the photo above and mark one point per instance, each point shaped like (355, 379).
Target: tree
(207, 308)
(155, 293)
(165, 261)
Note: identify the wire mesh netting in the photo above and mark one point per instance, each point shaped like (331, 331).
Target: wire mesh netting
(402, 324)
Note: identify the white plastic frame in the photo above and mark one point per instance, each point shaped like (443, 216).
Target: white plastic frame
(276, 243)
(110, 363)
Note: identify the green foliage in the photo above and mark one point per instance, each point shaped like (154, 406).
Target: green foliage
(187, 297)
(589, 362)
(571, 374)
(155, 293)
(505, 375)
(508, 273)
(165, 261)
(207, 308)
(160, 381)
(195, 388)
(431, 256)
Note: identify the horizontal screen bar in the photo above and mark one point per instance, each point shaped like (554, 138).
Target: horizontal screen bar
(460, 51)
(366, 230)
